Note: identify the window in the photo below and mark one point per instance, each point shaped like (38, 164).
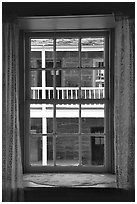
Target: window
(67, 101)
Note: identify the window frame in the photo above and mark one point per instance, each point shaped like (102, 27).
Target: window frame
(106, 101)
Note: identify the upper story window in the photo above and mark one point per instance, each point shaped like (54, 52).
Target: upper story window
(67, 100)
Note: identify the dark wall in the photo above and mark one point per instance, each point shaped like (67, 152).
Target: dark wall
(19, 9)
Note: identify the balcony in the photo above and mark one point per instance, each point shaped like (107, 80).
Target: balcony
(67, 92)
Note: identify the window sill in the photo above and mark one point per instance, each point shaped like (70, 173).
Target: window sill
(69, 180)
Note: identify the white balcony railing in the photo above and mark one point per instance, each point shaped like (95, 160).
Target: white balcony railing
(67, 92)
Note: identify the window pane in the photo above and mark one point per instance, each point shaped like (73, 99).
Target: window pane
(97, 150)
(41, 54)
(92, 118)
(42, 113)
(92, 150)
(92, 52)
(86, 150)
(35, 59)
(67, 151)
(67, 84)
(67, 118)
(41, 151)
(35, 125)
(36, 78)
(67, 125)
(92, 84)
(41, 84)
(67, 52)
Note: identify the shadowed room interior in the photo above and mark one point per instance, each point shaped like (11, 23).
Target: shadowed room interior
(68, 102)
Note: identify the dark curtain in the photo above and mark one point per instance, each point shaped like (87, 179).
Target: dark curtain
(124, 107)
(12, 187)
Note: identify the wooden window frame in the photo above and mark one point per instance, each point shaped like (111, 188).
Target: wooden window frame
(106, 101)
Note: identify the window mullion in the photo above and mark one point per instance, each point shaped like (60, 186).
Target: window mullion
(106, 93)
(44, 119)
(80, 139)
(80, 142)
(54, 105)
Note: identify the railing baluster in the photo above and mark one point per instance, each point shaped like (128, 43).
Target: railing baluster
(94, 93)
(62, 94)
(85, 93)
(49, 94)
(76, 94)
(89, 94)
(67, 93)
(71, 94)
(33, 94)
(99, 93)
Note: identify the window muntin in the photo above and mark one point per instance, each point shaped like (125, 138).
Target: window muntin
(75, 74)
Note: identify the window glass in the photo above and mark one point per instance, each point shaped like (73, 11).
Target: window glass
(41, 151)
(67, 84)
(41, 117)
(41, 83)
(67, 118)
(92, 84)
(66, 124)
(92, 150)
(92, 118)
(67, 151)
(92, 52)
(35, 125)
(46, 51)
(67, 52)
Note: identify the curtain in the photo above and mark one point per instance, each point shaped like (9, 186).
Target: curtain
(12, 188)
(124, 107)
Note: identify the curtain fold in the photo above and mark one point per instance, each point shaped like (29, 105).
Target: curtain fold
(12, 183)
(124, 107)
